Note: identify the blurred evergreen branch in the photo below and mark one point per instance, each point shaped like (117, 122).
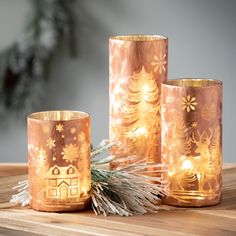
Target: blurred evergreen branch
(24, 65)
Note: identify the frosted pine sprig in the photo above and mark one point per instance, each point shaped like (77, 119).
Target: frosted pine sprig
(22, 196)
(125, 191)
(122, 193)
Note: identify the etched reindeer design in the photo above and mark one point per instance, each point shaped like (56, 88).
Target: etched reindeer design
(202, 164)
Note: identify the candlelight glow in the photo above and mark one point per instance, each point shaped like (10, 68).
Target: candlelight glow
(134, 124)
(187, 164)
(59, 160)
(191, 141)
(141, 131)
(146, 88)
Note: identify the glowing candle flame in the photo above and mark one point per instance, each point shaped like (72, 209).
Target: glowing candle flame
(145, 88)
(187, 164)
(141, 131)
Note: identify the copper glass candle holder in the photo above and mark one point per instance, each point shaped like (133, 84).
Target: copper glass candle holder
(138, 65)
(59, 160)
(192, 141)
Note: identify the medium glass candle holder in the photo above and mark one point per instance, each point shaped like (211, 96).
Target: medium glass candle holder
(138, 66)
(59, 160)
(192, 141)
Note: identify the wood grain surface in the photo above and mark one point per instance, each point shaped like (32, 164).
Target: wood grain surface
(216, 220)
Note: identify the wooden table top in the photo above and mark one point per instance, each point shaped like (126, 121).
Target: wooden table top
(216, 220)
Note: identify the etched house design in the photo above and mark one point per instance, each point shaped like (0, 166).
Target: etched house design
(62, 182)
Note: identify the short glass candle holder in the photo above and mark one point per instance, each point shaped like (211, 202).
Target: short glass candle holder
(59, 160)
(192, 141)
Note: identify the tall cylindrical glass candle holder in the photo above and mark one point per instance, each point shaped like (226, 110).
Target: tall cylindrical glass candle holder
(192, 141)
(138, 65)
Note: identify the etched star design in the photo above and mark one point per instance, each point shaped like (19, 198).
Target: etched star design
(59, 128)
(51, 143)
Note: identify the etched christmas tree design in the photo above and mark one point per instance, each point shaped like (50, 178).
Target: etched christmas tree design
(181, 150)
(140, 120)
(177, 155)
(41, 160)
(180, 139)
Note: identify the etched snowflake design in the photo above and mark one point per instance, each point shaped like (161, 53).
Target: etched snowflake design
(208, 112)
(81, 137)
(50, 143)
(194, 124)
(189, 103)
(159, 63)
(59, 128)
(70, 152)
